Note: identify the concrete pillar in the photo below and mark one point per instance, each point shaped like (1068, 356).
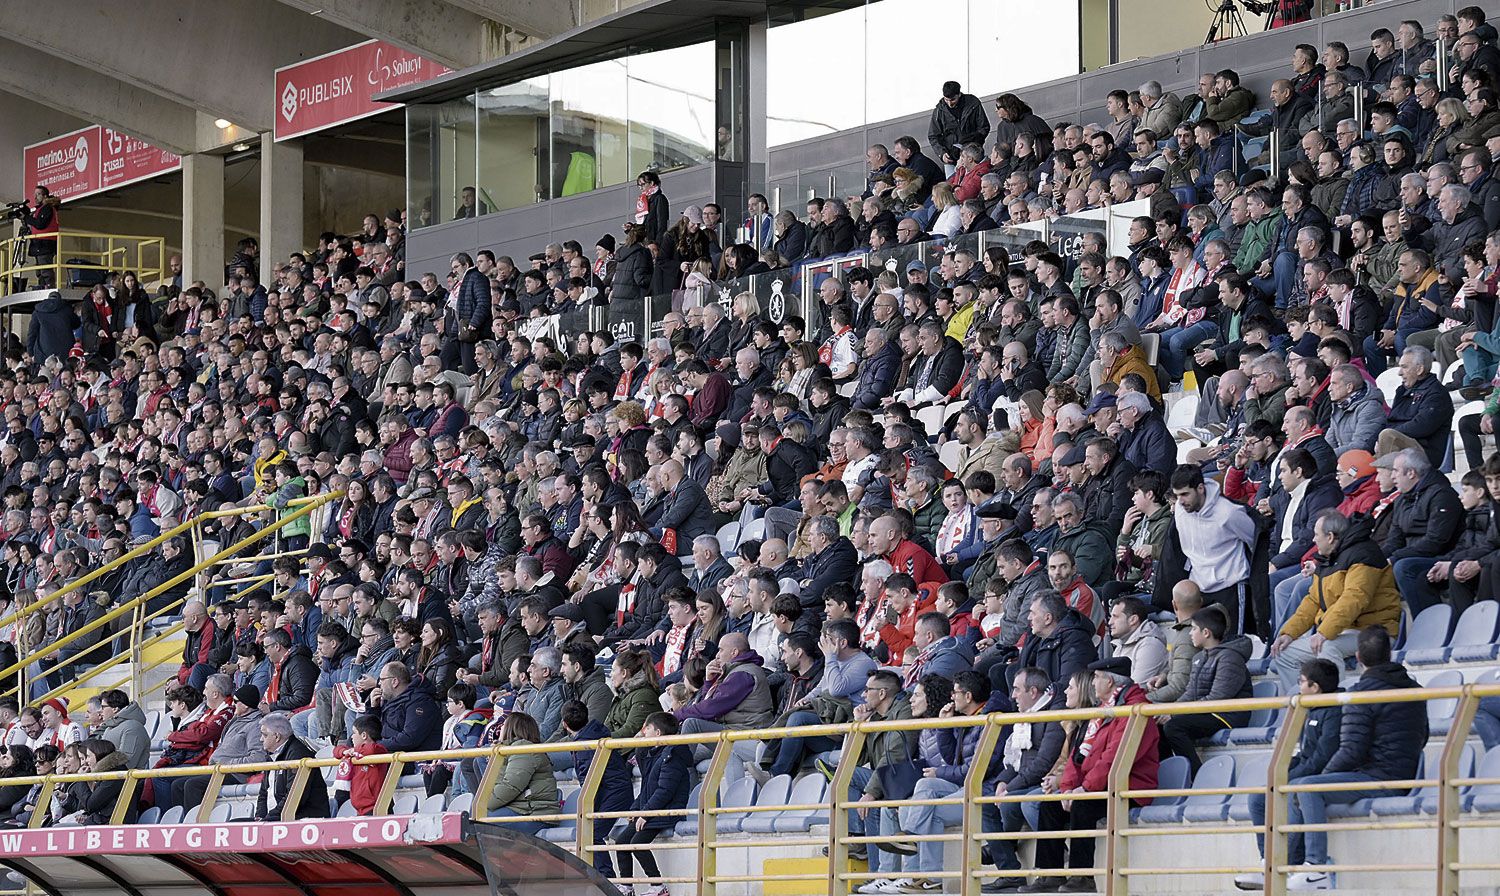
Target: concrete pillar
(203, 219)
(280, 201)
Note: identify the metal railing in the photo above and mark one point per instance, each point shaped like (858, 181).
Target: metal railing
(1442, 863)
(91, 254)
(138, 610)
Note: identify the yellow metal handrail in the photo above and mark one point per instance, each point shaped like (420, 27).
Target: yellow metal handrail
(303, 507)
(103, 252)
(1118, 832)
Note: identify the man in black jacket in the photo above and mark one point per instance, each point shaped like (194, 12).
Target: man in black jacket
(958, 119)
(282, 746)
(408, 712)
(1320, 740)
(1426, 523)
(473, 309)
(1377, 742)
(1030, 751)
(293, 674)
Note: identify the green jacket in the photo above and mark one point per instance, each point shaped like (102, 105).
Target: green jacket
(1255, 246)
(887, 747)
(631, 707)
(1380, 266)
(1180, 653)
(525, 784)
(296, 487)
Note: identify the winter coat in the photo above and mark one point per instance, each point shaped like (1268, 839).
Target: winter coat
(1383, 740)
(1427, 520)
(1146, 648)
(616, 791)
(1180, 653)
(637, 700)
(951, 128)
(1220, 673)
(1092, 773)
(666, 782)
(1069, 648)
(295, 681)
(127, 731)
(525, 784)
(1319, 741)
(1354, 588)
(410, 721)
(632, 273)
(1356, 421)
(314, 803)
(1322, 493)
(51, 330)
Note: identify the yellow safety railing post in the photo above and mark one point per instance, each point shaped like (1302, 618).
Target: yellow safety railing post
(1449, 798)
(480, 810)
(388, 786)
(973, 812)
(1117, 809)
(708, 822)
(294, 793)
(210, 794)
(838, 811)
(583, 827)
(1276, 799)
(137, 629)
(43, 803)
(127, 798)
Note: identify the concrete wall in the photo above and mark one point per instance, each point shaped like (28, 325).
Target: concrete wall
(1259, 59)
(25, 123)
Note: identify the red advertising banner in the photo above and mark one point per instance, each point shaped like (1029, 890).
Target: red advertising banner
(124, 159)
(337, 88)
(68, 164)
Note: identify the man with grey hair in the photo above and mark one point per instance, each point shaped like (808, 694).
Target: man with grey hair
(1358, 412)
(281, 746)
(833, 559)
(1426, 522)
(992, 194)
(838, 233)
(1462, 223)
(545, 702)
(1163, 108)
(1422, 409)
(709, 566)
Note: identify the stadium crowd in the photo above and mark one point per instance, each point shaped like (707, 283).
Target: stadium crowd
(527, 545)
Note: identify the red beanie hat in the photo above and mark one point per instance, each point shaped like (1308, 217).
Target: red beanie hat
(58, 704)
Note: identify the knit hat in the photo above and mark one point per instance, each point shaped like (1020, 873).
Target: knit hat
(729, 434)
(58, 704)
(1357, 463)
(607, 242)
(249, 695)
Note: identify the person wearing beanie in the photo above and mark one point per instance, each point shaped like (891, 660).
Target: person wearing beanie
(238, 745)
(1356, 475)
(604, 261)
(57, 729)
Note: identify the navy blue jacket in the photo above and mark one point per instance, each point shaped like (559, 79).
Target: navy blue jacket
(876, 377)
(666, 782)
(1320, 740)
(411, 721)
(615, 793)
(1383, 740)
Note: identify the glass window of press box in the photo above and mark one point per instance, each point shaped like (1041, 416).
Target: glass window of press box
(598, 125)
(561, 134)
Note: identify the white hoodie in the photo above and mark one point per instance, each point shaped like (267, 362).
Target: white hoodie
(1217, 540)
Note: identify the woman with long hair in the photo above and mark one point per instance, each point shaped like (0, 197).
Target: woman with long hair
(948, 223)
(138, 318)
(354, 516)
(637, 693)
(744, 315)
(524, 784)
(439, 659)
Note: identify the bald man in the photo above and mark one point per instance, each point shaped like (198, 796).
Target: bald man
(683, 508)
(736, 693)
(199, 658)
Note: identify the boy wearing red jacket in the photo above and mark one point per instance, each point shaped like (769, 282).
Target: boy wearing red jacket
(365, 781)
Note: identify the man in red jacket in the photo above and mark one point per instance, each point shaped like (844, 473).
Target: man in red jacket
(1086, 770)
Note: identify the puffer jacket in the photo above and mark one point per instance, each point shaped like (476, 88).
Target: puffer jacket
(1354, 588)
(1220, 673)
(525, 784)
(1383, 740)
(1426, 521)
(1180, 653)
(1069, 648)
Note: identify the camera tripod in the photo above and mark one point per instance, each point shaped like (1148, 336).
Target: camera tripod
(1227, 23)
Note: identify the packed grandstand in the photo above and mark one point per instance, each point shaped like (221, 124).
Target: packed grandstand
(1216, 460)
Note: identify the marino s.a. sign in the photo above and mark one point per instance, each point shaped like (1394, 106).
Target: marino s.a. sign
(92, 160)
(336, 88)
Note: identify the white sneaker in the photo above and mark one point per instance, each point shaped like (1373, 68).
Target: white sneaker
(1310, 880)
(1255, 880)
(876, 888)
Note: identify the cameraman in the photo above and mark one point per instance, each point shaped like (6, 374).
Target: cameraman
(40, 220)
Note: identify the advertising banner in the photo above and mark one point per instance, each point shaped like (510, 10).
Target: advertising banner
(124, 159)
(68, 165)
(337, 88)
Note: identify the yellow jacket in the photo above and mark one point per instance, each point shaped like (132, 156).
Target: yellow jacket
(1357, 588)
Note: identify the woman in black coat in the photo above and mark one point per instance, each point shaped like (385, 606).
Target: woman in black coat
(15, 762)
(633, 267)
(100, 318)
(439, 659)
(135, 307)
